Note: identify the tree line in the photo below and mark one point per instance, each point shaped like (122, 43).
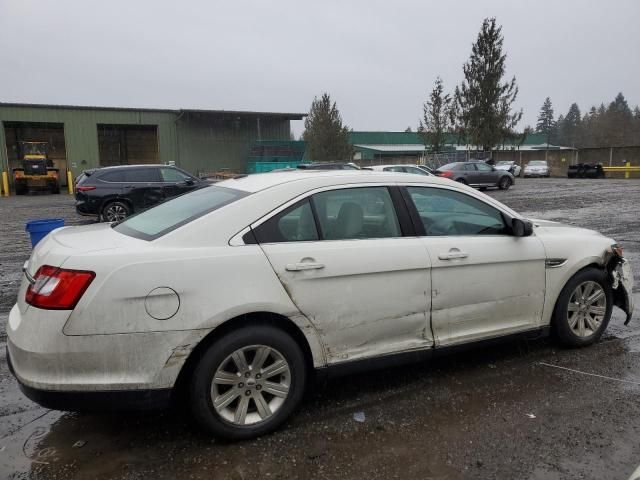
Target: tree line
(615, 125)
(479, 112)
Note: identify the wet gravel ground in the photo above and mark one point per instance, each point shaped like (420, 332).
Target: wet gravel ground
(499, 412)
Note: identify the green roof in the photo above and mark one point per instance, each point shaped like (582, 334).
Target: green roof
(413, 138)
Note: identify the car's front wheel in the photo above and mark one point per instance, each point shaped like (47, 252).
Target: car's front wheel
(247, 383)
(583, 309)
(504, 183)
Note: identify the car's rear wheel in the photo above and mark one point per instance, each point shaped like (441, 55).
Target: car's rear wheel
(247, 383)
(115, 211)
(583, 309)
(504, 183)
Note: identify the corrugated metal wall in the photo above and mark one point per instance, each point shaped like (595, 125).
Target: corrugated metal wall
(196, 141)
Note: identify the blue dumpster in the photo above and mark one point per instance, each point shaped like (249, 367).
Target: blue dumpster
(38, 229)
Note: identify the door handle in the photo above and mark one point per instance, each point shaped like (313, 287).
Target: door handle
(300, 266)
(453, 255)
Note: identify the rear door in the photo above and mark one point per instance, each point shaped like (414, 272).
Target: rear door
(485, 281)
(343, 257)
(143, 187)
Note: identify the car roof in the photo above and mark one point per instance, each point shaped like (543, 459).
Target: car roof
(396, 165)
(145, 165)
(261, 181)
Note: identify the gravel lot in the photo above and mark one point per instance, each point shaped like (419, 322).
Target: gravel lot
(491, 413)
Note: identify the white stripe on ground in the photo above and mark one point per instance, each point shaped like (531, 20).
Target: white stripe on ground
(590, 374)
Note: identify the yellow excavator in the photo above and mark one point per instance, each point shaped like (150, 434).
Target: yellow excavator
(37, 171)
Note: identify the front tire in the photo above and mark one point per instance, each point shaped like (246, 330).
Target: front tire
(504, 183)
(583, 309)
(247, 383)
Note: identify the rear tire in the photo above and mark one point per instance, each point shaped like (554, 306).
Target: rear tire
(504, 183)
(234, 394)
(115, 211)
(583, 309)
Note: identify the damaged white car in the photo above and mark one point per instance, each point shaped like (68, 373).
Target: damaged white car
(239, 294)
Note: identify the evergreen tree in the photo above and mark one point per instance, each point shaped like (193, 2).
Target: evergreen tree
(546, 123)
(619, 122)
(327, 138)
(483, 100)
(572, 126)
(434, 124)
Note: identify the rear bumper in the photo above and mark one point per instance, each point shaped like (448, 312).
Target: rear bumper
(103, 401)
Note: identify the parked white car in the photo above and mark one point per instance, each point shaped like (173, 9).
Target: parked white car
(537, 168)
(509, 166)
(235, 293)
(417, 169)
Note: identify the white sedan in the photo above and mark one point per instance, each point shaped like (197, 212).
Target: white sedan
(416, 169)
(509, 166)
(236, 293)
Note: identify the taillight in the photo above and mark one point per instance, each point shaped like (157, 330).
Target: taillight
(445, 173)
(85, 189)
(58, 288)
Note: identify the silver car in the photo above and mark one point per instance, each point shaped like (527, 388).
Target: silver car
(537, 168)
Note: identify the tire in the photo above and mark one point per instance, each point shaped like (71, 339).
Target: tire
(462, 181)
(504, 183)
(226, 421)
(115, 211)
(589, 326)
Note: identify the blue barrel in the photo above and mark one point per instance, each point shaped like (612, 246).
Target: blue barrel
(38, 229)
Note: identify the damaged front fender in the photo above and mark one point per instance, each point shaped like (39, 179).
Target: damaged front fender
(622, 285)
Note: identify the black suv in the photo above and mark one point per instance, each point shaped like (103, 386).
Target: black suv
(114, 193)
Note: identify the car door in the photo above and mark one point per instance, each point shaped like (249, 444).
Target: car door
(487, 175)
(470, 173)
(342, 257)
(485, 281)
(176, 182)
(143, 187)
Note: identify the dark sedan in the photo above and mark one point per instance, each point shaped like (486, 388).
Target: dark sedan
(476, 174)
(114, 193)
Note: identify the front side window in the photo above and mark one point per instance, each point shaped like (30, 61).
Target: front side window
(354, 213)
(483, 167)
(173, 176)
(449, 213)
(168, 216)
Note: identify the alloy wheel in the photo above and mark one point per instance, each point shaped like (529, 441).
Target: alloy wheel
(251, 385)
(115, 213)
(586, 309)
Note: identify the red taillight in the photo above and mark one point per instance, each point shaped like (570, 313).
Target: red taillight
(445, 173)
(58, 288)
(85, 189)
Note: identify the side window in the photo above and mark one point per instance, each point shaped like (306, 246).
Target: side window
(449, 213)
(141, 175)
(352, 213)
(483, 167)
(295, 224)
(469, 167)
(172, 175)
(114, 176)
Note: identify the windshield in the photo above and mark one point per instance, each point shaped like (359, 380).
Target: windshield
(168, 216)
(538, 163)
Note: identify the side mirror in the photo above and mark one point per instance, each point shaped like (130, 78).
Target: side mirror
(521, 228)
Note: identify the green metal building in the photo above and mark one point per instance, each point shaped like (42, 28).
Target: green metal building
(200, 141)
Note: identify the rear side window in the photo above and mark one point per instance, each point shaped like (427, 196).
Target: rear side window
(295, 224)
(114, 176)
(168, 216)
(141, 175)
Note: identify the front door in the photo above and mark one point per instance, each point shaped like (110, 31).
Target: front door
(341, 257)
(485, 281)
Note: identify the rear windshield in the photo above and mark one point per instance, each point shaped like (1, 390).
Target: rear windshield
(168, 216)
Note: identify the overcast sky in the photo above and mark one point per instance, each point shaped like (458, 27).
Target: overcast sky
(378, 59)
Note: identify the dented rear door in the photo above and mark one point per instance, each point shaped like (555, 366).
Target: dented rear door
(366, 297)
